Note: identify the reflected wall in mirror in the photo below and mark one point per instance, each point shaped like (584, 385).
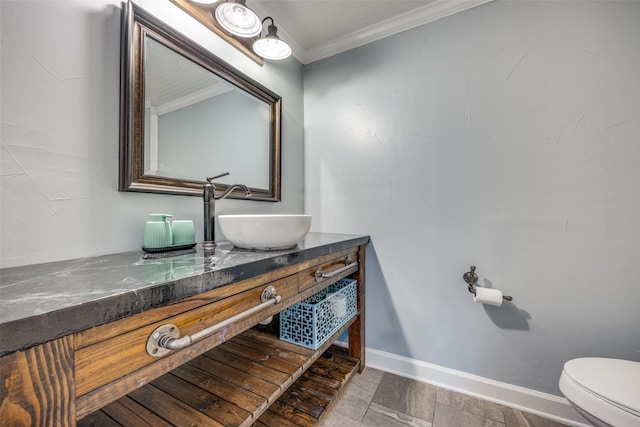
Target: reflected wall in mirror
(186, 115)
(191, 110)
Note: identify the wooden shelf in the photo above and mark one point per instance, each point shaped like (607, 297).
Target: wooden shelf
(252, 378)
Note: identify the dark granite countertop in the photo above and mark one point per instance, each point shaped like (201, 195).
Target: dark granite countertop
(42, 302)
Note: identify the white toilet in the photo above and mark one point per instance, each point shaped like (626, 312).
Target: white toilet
(605, 391)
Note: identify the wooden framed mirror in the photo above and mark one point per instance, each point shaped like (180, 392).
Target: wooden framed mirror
(186, 115)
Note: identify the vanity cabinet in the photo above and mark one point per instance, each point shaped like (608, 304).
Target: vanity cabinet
(71, 378)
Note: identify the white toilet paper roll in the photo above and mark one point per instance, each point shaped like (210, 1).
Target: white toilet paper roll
(488, 296)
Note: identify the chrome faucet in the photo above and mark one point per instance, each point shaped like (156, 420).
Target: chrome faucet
(209, 197)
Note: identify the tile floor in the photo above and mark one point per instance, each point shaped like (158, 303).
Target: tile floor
(379, 399)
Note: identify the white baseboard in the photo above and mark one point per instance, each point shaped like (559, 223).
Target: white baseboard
(543, 404)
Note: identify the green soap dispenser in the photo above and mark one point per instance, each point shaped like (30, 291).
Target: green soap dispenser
(157, 231)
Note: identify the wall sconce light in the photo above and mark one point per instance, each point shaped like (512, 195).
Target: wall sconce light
(237, 24)
(236, 18)
(270, 46)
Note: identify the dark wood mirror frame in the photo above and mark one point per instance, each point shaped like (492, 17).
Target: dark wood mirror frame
(137, 24)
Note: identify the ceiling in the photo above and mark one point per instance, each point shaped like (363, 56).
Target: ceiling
(317, 29)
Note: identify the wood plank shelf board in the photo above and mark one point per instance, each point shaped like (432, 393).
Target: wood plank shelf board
(254, 378)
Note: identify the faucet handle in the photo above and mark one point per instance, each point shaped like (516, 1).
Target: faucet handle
(210, 179)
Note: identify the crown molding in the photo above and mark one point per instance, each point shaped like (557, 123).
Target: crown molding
(193, 98)
(403, 22)
(430, 12)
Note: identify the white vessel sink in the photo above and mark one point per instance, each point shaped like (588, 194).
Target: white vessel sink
(264, 232)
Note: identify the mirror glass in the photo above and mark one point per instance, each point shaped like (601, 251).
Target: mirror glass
(187, 115)
(197, 124)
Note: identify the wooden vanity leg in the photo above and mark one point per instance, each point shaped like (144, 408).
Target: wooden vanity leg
(37, 386)
(356, 330)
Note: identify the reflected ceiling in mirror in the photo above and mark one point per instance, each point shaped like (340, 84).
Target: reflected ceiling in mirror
(187, 115)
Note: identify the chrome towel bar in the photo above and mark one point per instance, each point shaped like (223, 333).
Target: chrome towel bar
(167, 337)
(348, 265)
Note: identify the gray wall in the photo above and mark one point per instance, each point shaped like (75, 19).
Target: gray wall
(508, 137)
(59, 156)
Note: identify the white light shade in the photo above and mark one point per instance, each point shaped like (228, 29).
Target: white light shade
(272, 48)
(238, 19)
(205, 1)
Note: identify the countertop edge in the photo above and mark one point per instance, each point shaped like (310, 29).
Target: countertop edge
(30, 331)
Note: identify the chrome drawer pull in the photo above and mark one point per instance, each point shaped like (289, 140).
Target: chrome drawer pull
(167, 337)
(348, 265)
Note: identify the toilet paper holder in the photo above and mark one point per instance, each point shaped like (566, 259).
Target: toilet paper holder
(472, 280)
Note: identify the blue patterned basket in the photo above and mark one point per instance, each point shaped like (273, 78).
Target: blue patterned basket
(312, 321)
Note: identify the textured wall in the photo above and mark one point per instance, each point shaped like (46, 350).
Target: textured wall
(60, 100)
(508, 137)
